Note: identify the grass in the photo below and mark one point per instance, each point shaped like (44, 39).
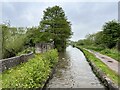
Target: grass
(31, 74)
(110, 73)
(26, 51)
(113, 53)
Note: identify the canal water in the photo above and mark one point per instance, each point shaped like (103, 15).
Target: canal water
(73, 71)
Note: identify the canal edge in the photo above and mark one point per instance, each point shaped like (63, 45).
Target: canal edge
(50, 77)
(100, 74)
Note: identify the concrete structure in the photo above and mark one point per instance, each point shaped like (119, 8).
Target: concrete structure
(43, 47)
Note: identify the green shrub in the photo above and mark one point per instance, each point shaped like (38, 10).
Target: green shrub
(51, 55)
(31, 74)
(26, 51)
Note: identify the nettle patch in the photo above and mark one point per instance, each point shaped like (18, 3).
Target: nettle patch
(32, 74)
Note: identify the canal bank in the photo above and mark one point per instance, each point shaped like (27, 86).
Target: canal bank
(108, 77)
(73, 71)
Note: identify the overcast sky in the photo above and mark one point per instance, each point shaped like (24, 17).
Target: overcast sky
(86, 17)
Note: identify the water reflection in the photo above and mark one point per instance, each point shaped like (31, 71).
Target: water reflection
(63, 64)
(73, 71)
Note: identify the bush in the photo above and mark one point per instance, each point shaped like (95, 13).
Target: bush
(13, 40)
(32, 74)
(26, 51)
(51, 56)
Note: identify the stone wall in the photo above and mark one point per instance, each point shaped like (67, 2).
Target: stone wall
(43, 47)
(8, 63)
(14, 61)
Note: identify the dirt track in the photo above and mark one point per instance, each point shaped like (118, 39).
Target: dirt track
(110, 62)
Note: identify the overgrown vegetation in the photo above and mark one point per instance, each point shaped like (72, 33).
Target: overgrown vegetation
(26, 51)
(113, 53)
(56, 27)
(53, 27)
(111, 74)
(106, 41)
(31, 74)
(13, 40)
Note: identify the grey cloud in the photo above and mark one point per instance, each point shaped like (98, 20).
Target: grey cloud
(86, 17)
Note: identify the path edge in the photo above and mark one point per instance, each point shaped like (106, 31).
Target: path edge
(100, 74)
(50, 77)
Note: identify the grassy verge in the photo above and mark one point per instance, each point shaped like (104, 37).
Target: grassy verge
(113, 53)
(108, 72)
(31, 74)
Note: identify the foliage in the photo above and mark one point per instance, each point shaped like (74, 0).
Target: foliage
(84, 42)
(97, 48)
(13, 40)
(31, 74)
(33, 36)
(111, 33)
(98, 38)
(94, 39)
(113, 53)
(111, 74)
(106, 42)
(118, 45)
(55, 26)
(51, 55)
(108, 38)
(26, 51)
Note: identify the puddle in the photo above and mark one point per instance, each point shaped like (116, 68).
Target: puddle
(110, 61)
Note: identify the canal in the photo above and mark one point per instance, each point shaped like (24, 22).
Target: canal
(73, 71)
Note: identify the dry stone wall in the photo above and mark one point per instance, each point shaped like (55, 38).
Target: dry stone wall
(8, 63)
(43, 47)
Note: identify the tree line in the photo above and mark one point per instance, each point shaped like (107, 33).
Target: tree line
(53, 27)
(109, 37)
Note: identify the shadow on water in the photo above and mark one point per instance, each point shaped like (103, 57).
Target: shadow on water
(62, 65)
(73, 71)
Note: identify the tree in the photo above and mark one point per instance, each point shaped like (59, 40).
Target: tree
(55, 26)
(12, 41)
(111, 33)
(33, 36)
(98, 38)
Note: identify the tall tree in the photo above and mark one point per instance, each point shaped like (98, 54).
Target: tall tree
(56, 27)
(111, 33)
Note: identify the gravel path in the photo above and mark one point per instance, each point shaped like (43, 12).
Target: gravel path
(110, 62)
